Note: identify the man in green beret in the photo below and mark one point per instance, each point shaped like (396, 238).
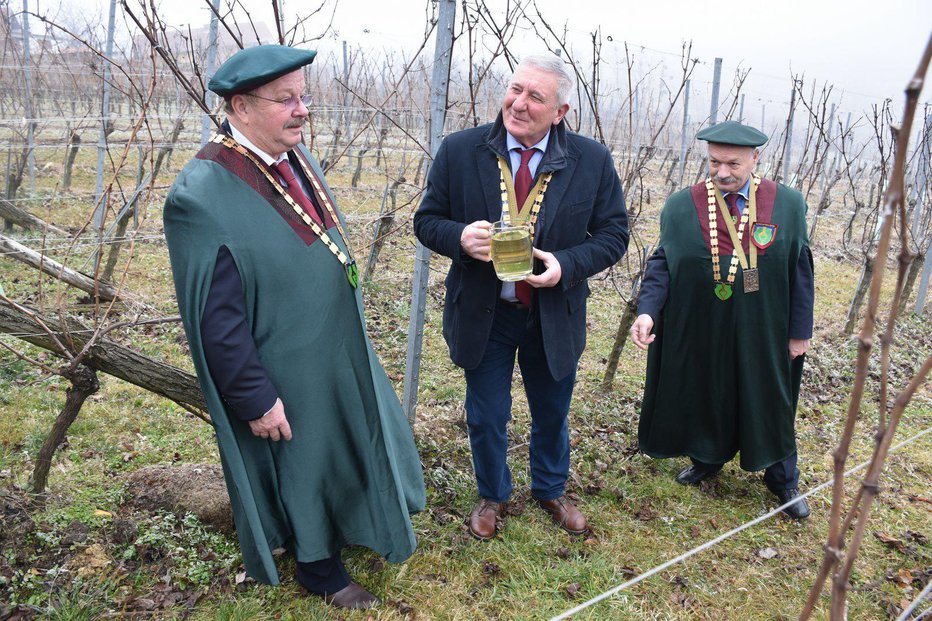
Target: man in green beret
(316, 451)
(726, 310)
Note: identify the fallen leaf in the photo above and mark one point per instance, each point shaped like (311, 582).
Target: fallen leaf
(563, 553)
(573, 589)
(903, 578)
(644, 513)
(694, 531)
(102, 513)
(890, 541)
(767, 553)
(240, 577)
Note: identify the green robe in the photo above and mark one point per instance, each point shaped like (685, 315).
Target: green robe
(719, 377)
(351, 474)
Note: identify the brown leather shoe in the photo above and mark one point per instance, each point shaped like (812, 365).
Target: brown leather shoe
(352, 596)
(565, 515)
(485, 519)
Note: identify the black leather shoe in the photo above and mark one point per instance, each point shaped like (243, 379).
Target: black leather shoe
(352, 596)
(693, 474)
(799, 510)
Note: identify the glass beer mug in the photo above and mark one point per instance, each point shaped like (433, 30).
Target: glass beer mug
(511, 250)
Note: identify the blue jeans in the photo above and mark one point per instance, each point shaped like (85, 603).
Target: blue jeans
(488, 408)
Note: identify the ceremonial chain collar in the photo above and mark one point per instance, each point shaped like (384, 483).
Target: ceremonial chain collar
(716, 202)
(511, 211)
(349, 264)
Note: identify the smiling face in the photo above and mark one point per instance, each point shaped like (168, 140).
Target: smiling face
(730, 165)
(531, 105)
(272, 126)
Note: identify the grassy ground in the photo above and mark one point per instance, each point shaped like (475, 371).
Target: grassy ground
(86, 554)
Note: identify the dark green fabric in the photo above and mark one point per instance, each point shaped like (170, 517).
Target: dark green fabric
(719, 376)
(254, 66)
(351, 474)
(733, 132)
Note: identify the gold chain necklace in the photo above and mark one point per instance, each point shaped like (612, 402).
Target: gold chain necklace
(716, 203)
(510, 208)
(349, 264)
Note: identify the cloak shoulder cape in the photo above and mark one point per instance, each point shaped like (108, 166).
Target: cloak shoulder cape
(351, 474)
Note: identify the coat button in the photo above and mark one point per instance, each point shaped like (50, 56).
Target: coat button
(488, 309)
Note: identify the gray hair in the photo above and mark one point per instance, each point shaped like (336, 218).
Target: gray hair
(551, 63)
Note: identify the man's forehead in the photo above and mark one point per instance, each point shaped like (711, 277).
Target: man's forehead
(730, 151)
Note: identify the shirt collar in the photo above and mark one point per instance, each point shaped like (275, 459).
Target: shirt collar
(745, 190)
(512, 143)
(239, 137)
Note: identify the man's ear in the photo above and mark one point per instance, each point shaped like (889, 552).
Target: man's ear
(561, 112)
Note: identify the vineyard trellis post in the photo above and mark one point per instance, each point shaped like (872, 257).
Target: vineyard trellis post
(921, 197)
(716, 85)
(440, 78)
(209, 97)
(30, 112)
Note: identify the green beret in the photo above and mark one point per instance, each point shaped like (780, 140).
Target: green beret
(733, 132)
(254, 66)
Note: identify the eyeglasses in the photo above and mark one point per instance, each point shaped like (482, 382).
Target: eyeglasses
(288, 102)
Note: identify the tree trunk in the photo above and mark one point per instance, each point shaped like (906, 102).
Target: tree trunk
(114, 254)
(621, 337)
(108, 357)
(166, 151)
(12, 213)
(356, 175)
(69, 160)
(83, 384)
(859, 293)
(914, 270)
(16, 250)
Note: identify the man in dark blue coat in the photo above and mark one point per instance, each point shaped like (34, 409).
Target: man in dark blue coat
(565, 186)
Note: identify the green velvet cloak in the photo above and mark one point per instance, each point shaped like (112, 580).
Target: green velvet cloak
(351, 474)
(719, 376)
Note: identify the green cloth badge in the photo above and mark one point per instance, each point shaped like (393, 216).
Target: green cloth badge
(763, 234)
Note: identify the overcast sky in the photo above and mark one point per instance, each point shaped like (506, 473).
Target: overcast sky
(867, 49)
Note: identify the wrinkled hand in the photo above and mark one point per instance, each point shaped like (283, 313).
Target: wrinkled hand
(476, 240)
(552, 270)
(798, 347)
(640, 331)
(273, 426)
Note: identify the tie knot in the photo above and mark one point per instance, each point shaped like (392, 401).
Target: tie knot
(284, 169)
(526, 155)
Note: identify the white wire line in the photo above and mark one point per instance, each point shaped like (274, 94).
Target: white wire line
(720, 538)
(909, 611)
(45, 249)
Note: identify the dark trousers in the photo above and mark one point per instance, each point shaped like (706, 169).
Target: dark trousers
(488, 408)
(323, 577)
(779, 476)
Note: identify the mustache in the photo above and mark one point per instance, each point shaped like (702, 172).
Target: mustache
(727, 179)
(294, 123)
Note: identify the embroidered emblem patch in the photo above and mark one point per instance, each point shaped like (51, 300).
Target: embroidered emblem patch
(763, 234)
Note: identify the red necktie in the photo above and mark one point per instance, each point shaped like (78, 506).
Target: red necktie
(295, 191)
(523, 179)
(732, 201)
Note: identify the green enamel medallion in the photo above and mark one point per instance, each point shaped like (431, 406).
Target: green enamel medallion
(352, 274)
(722, 291)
